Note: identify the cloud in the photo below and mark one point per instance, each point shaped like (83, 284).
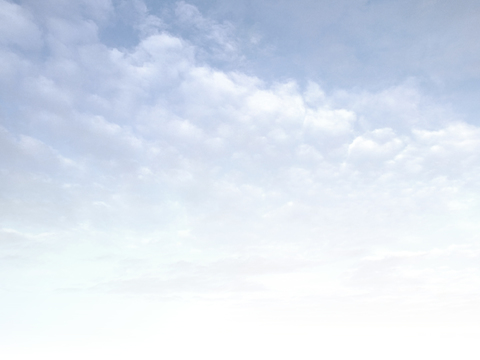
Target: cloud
(18, 27)
(220, 184)
(215, 41)
(378, 144)
(358, 44)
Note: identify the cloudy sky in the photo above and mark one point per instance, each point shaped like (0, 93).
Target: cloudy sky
(239, 179)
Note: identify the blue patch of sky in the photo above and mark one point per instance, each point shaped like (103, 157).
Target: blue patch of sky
(346, 44)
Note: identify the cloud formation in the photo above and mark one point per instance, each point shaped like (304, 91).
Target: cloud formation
(152, 171)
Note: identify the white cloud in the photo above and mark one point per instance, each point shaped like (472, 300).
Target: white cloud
(216, 41)
(151, 173)
(379, 144)
(18, 27)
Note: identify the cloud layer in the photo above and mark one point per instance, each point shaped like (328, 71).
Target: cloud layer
(148, 171)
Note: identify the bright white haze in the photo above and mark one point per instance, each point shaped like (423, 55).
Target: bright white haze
(239, 180)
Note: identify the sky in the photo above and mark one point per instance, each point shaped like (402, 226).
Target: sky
(239, 179)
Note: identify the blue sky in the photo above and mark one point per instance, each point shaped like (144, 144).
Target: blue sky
(239, 179)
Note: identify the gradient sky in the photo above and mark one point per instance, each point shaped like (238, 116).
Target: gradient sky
(239, 179)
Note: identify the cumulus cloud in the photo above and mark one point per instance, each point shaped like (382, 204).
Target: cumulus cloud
(18, 27)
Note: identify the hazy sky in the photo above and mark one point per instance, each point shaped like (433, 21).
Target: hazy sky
(239, 179)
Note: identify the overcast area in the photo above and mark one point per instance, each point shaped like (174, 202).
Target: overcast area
(239, 179)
